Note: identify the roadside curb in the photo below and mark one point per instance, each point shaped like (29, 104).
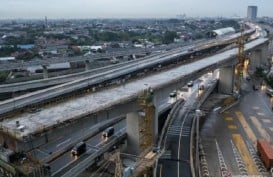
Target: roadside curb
(229, 106)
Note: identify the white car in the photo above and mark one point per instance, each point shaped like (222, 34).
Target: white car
(269, 92)
(190, 84)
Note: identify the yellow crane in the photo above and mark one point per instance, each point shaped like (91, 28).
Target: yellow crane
(147, 123)
(146, 131)
(241, 59)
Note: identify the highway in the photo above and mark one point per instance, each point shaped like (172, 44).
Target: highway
(109, 77)
(79, 107)
(22, 86)
(20, 64)
(118, 52)
(69, 166)
(59, 144)
(94, 144)
(194, 46)
(175, 159)
(229, 138)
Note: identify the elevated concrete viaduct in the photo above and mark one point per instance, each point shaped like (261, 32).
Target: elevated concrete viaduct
(65, 118)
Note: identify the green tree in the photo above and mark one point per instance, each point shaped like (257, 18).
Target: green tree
(169, 37)
(259, 72)
(3, 75)
(7, 51)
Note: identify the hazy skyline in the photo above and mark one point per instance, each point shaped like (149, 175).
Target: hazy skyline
(129, 9)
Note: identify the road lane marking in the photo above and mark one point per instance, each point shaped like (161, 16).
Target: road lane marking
(266, 120)
(179, 143)
(232, 127)
(260, 113)
(243, 150)
(229, 119)
(222, 164)
(240, 163)
(246, 127)
(261, 129)
(43, 152)
(66, 141)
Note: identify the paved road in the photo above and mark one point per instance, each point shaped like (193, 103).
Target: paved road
(234, 133)
(175, 160)
(93, 145)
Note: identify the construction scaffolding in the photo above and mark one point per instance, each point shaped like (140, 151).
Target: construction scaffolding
(146, 124)
(241, 59)
(118, 169)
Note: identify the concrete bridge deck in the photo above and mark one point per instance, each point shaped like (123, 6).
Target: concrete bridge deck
(103, 100)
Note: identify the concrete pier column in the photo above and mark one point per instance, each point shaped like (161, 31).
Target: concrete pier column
(226, 80)
(255, 59)
(265, 56)
(270, 47)
(215, 73)
(141, 130)
(87, 65)
(45, 71)
(133, 129)
(270, 51)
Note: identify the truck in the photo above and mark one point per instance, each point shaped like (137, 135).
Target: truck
(265, 152)
(108, 132)
(78, 149)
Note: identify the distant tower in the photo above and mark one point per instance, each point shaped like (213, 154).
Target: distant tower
(252, 12)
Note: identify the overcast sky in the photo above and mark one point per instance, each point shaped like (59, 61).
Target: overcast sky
(129, 8)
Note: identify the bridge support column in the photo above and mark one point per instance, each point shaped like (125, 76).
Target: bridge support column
(255, 59)
(265, 56)
(270, 48)
(226, 80)
(259, 58)
(87, 65)
(45, 71)
(140, 130)
(133, 129)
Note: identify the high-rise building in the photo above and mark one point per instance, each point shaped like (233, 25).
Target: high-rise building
(252, 12)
